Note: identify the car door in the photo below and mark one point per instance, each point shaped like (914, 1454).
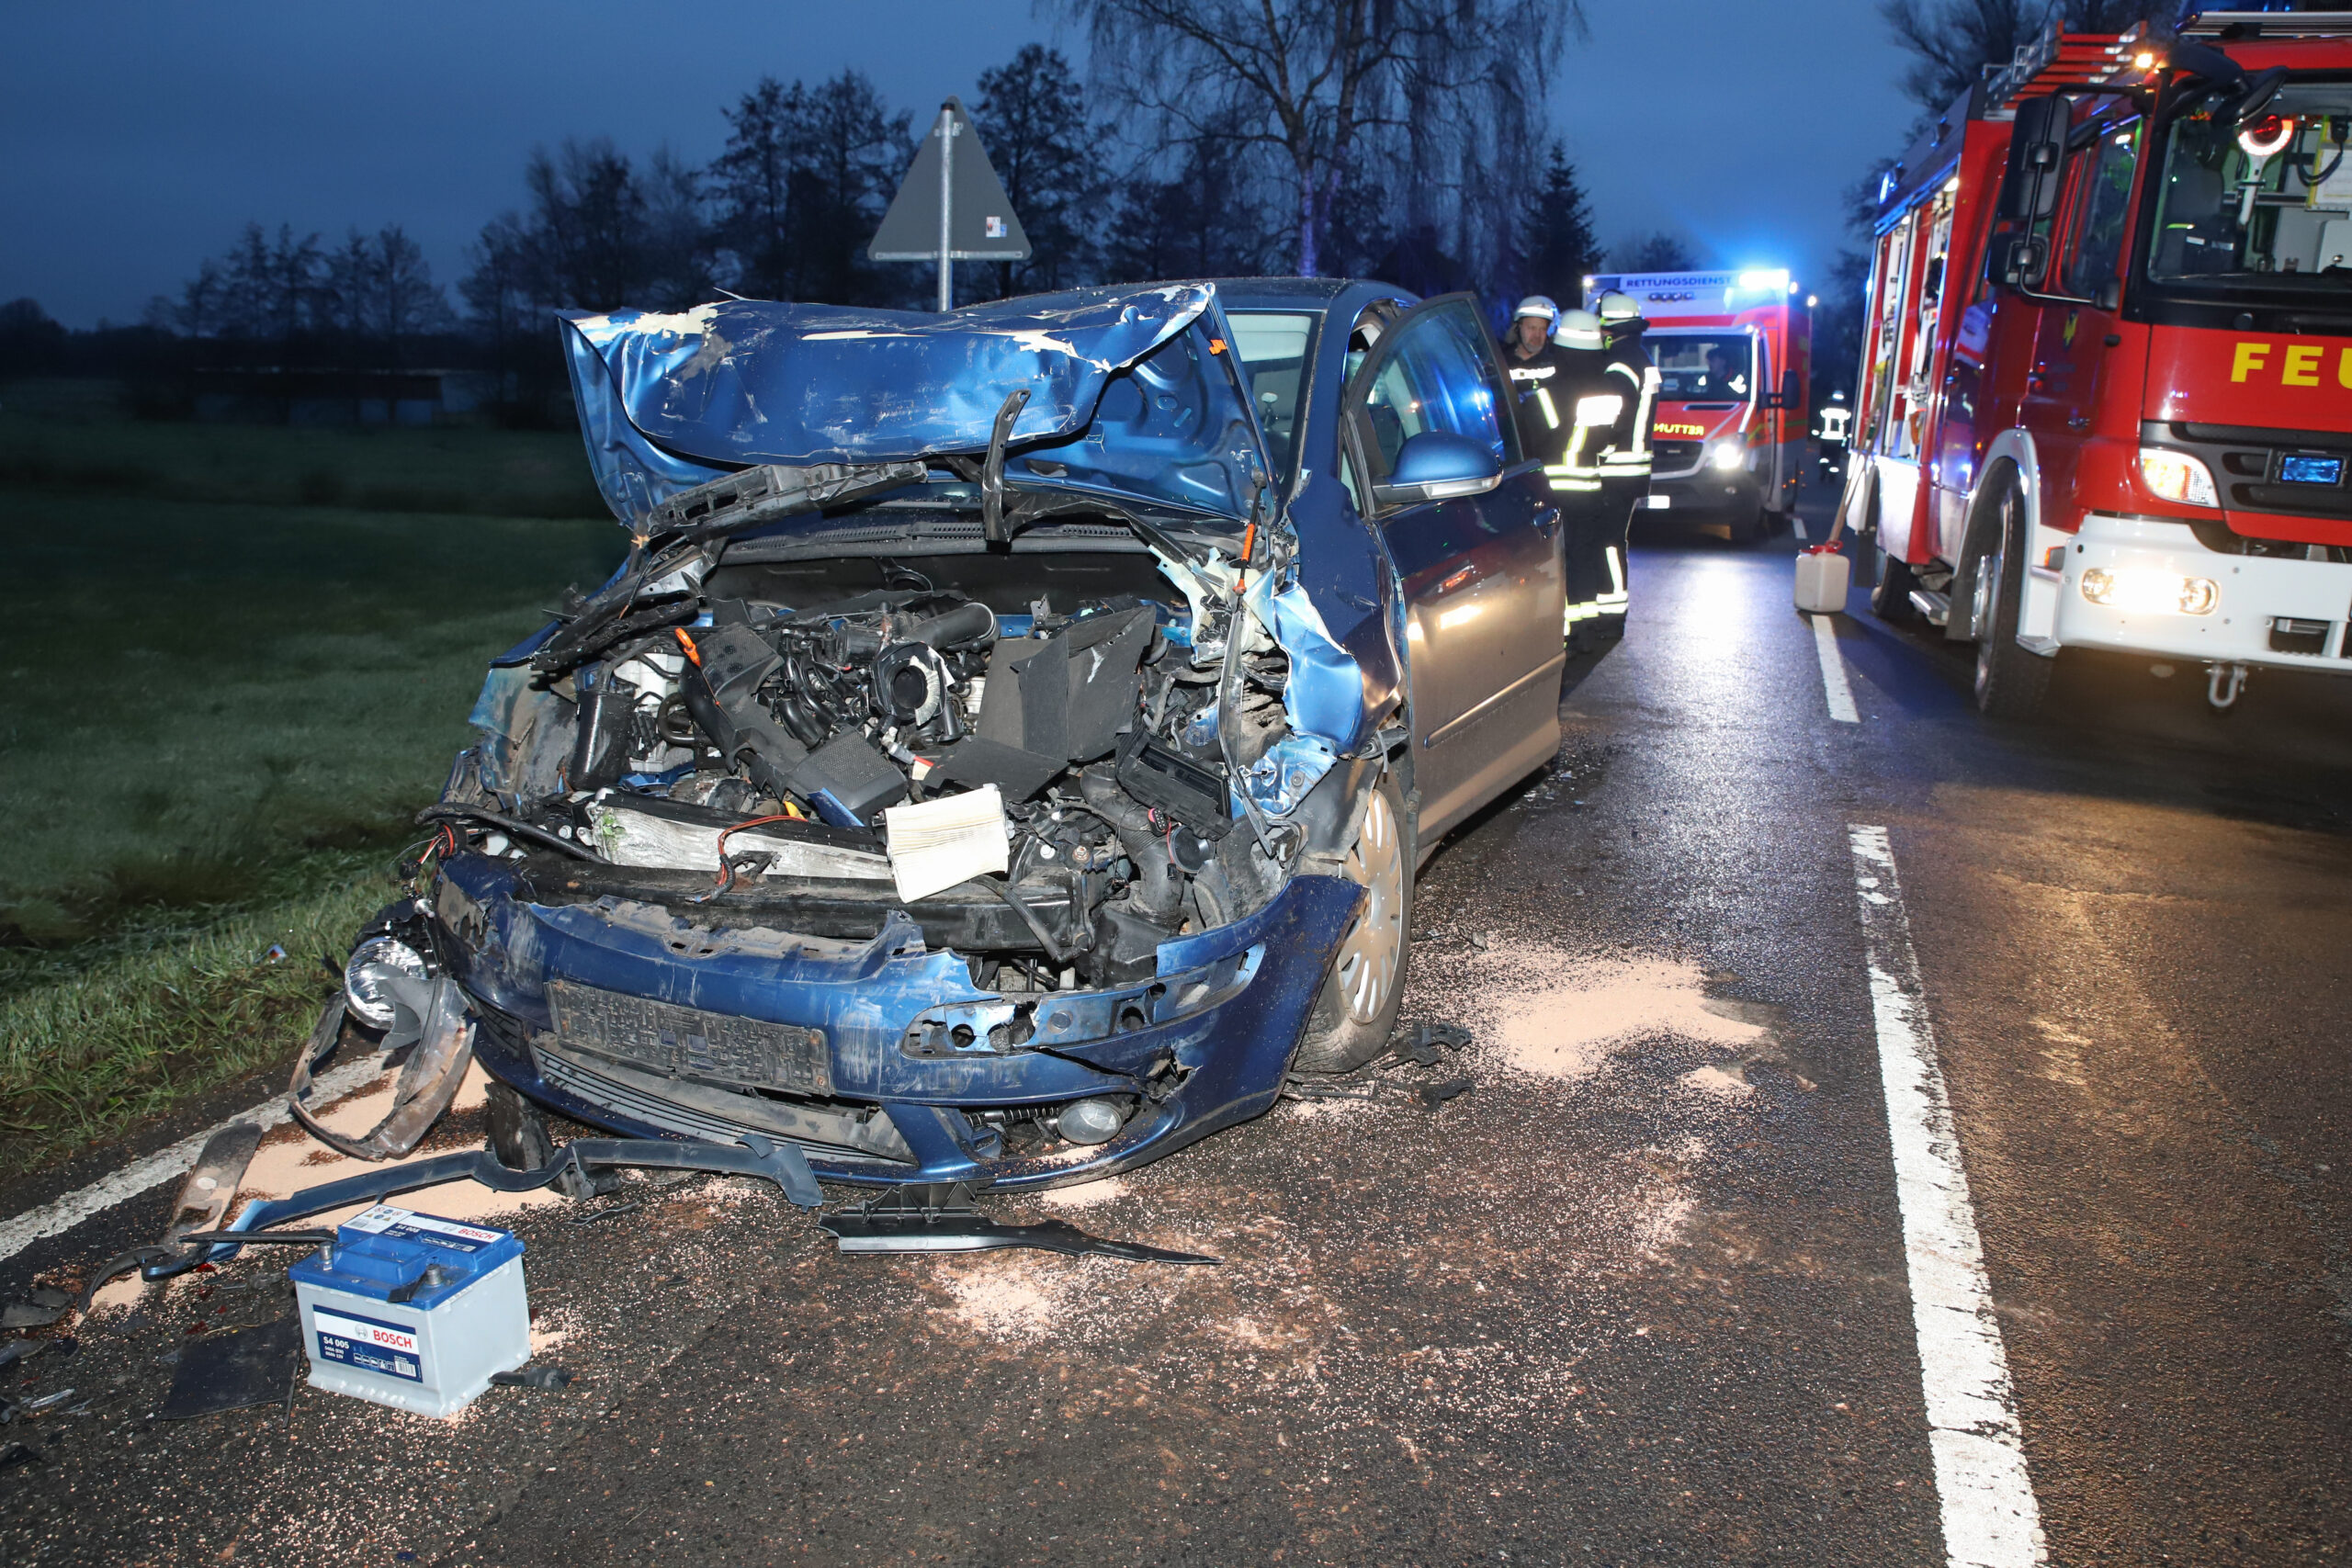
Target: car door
(1482, 578)
(2079, 316)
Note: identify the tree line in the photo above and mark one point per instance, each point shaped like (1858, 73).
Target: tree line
(1399, 138)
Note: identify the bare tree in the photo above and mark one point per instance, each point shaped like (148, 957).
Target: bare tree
(1313, 84)
(1032, 115)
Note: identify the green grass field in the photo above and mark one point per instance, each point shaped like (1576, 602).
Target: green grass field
(217, 718)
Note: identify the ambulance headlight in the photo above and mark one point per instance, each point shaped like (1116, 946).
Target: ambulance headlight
(364, 990)
(1728, 455)
(2177, 475)
(2137, 590)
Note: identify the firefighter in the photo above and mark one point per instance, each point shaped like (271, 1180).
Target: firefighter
(1590, 409)
(1626, 459)
(1533, 363)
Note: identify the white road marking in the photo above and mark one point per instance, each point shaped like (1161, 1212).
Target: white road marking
(1797, 523)
(1990, 1517)
(165, 1165)
(1833, 672)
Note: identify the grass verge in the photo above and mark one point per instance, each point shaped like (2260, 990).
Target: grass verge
(129, 1027)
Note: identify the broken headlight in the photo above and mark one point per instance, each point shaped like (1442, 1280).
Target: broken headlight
(364, 989)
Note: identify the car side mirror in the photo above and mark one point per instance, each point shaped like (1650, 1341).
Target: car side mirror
(1438, 465)
(1790, 396)
(2016, 259)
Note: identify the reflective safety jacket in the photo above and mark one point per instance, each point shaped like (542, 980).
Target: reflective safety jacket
(1611, 399)
(1535, 387)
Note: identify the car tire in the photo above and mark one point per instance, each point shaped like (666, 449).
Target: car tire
(1750, 529)
(2010, 683)
(1356, 1011)
(521, 1140)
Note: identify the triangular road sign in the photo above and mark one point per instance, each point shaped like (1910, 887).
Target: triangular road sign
(977, 217)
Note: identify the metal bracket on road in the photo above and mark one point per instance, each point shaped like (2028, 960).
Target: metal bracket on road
(941, 1217)
(781, 1163)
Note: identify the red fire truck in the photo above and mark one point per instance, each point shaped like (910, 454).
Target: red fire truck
(2105, 394)
(1734, 352)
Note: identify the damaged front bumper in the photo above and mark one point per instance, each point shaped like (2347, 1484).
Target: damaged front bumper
(879, 1057)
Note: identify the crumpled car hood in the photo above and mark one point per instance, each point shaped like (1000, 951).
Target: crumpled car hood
(1134, 393)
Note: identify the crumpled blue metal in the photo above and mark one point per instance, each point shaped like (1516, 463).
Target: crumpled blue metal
(668, 401)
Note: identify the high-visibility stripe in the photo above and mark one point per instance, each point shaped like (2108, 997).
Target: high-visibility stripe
(1544, 402)
(1616, 573)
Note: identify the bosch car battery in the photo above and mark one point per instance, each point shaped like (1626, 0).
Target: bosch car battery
(412, 1311)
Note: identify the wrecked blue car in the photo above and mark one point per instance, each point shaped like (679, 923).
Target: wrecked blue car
(1007, 748)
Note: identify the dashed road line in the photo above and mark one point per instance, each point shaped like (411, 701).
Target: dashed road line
(1797, 523)
(1833, 672)
(62, 1214)
(1990, 1517)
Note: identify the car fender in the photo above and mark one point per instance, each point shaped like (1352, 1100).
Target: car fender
(1344, 568)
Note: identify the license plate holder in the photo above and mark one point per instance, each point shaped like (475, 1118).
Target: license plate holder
(686, 1042)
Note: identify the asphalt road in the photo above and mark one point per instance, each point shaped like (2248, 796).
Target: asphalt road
(1642, 1295)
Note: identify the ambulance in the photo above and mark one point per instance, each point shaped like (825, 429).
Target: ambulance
(1734, 352)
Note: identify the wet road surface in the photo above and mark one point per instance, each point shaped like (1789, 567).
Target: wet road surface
(1642, 1295)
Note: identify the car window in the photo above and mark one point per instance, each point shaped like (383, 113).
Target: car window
(1437, 375)
(1272, 346)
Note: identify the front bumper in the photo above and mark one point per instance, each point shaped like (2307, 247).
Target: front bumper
(888, 1095)
(2262, 601)
(1704, 493)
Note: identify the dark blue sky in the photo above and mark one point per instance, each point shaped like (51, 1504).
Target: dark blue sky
(137, 137)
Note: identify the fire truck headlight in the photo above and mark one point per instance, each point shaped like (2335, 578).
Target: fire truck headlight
(2145, 592)
(1728, 455)
(2177, 475)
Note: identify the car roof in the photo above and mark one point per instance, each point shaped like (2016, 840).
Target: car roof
(1304, 293)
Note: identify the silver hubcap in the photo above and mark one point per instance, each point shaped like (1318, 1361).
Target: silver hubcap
(1366, 971)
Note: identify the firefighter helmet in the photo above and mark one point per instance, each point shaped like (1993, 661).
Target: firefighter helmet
(1619, 313)
(1537, 305)
(1579, 329)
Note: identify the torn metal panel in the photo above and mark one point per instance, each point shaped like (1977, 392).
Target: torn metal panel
(431, 1016)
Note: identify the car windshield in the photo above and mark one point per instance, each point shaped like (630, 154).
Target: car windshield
(2263, 205)
(1702, 366)
(1273, 347)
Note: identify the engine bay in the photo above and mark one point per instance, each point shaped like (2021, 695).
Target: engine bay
(1052, 783)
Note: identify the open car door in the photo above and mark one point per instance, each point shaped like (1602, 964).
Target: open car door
(1484, 584)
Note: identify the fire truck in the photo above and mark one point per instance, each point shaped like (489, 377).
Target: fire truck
(1734, 352)
(2105, 389)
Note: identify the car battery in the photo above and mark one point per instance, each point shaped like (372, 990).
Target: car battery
(412, 1311)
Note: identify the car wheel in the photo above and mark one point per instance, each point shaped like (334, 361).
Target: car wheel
(1357, 1010)
(1751, 528)
(519, 1137)
(2010, 683)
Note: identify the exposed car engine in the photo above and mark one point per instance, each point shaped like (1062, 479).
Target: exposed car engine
(1095, 778)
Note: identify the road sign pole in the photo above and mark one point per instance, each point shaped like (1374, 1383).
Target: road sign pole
(946, 209)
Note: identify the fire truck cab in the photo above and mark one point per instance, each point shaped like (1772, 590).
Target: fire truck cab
(2105, 390)
(1734, 352)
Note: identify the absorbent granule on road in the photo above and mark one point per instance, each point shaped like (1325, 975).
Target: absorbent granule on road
(1561, 1015)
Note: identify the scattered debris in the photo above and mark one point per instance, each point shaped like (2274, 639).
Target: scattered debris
(44, 1306)
(941, 1217)
(1436, 1094)
(1426, 1044)
(211, 1182)
(430, 1022)
(46, 1402)
(606, 1213)
(533, 1376)
(234, 1370)
(14, 1454)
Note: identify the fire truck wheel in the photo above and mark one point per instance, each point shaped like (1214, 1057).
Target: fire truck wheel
(1891, 582)
(2010, 680)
